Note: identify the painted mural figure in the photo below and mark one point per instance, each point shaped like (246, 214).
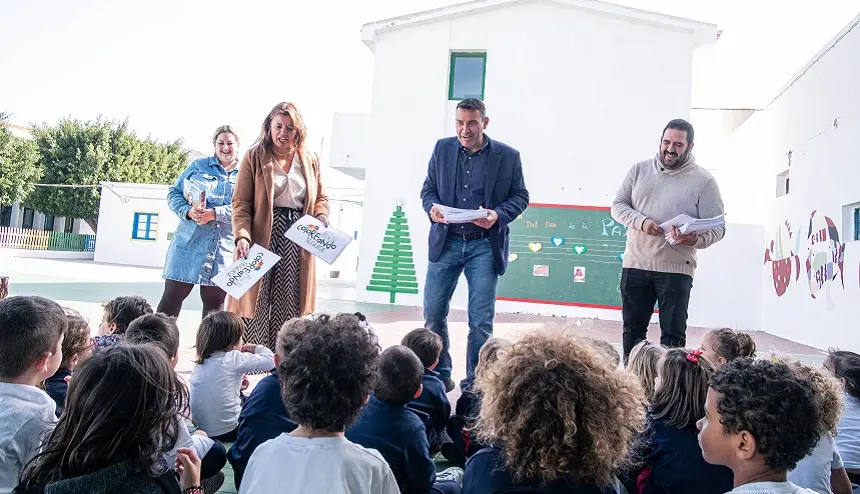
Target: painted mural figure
(654, 191)
(782, 253)
(469, 171)
(826, 259)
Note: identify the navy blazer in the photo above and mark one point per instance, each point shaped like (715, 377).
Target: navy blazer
(433, 401)
(504, 191)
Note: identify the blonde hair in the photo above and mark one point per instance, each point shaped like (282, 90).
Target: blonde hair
(489, 354)
(283, 108)
(643, 361)
(559, 410)
(224, 129)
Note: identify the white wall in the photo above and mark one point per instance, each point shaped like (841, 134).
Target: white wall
(824, 177)
(582, 97)
(114, 243)
(349, 140)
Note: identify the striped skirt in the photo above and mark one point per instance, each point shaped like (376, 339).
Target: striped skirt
(279, 297)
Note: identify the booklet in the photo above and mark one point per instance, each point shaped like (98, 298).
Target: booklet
(687, 224)
(456, 215)
(312, 235)
(194, 194)
(242, 274)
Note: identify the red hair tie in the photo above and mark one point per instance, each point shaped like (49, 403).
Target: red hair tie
(693, 356)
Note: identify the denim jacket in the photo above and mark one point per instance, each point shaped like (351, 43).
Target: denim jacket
(199, 252)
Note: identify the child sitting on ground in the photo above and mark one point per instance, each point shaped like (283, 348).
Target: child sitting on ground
(433, 401)
(77, 347)
(607, 349)
(643, 361)
(264, 415)
(327, 379)
(823, 470)
(31, 338)
(673, 461)
(469, 406)
(388, 426)
(119, 313)
(544, 411)
(103, 444)
(161, 330)
(219, 376)
(846, 367)
(761, 418)
(721, 346)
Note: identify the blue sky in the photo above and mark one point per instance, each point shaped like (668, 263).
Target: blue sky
(180, 68)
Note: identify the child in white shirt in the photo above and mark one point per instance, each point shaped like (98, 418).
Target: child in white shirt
(761, 418)
(218, 378)
(326, 379)
(31, 338)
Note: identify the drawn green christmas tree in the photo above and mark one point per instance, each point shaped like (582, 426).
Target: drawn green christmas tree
(394, 271)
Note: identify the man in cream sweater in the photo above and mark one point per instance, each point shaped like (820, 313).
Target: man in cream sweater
(655, 191)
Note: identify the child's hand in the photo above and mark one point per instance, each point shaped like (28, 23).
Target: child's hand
(188, 468)
(249, 348)
(245, 383)
(199, 432)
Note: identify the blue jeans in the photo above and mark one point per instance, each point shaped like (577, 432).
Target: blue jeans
(475, 259)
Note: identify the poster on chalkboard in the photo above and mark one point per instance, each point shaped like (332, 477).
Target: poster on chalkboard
(565, 255)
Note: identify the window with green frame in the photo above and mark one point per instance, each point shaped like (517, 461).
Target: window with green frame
(856, 223)
(467, 75)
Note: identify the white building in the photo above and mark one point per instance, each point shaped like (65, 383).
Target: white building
(135, 224)
(796, 158)
(582, 88)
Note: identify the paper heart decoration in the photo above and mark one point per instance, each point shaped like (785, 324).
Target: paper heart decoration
(621, 256)
(580, 249)
(557, 241)
(513, 256)
(535, 246)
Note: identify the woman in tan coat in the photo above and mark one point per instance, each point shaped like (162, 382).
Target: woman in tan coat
(278, 183)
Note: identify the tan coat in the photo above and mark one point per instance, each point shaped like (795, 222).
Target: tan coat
(253, 201)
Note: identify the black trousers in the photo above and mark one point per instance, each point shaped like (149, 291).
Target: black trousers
(640, 290)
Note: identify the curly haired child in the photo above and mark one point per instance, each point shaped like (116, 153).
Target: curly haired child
(846, 367)
(544, 411)
(77, 347)
(761, 418)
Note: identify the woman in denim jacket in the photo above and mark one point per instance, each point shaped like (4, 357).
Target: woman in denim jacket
(203, 243)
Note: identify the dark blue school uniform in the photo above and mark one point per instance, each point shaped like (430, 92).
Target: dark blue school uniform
(57, 387)
(676, 464)
(486, 474)
(464, 443)
(399, 436)
(434, 402)
(263, 417)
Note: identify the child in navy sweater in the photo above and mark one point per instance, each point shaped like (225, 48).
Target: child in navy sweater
(433, 400)
(674, 460)
(387, 426)
(77, 347)
(264, 415)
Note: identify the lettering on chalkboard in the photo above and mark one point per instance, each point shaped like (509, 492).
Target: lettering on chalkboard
(611, 229)
(549, 224)
(531, 224)
(572, 226)
(584, 225)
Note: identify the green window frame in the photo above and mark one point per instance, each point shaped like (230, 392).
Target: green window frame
(856, 223)
(455, 56)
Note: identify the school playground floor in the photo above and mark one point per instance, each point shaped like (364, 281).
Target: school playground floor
(85, 286)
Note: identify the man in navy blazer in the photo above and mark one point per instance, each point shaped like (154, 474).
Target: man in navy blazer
(467, 172)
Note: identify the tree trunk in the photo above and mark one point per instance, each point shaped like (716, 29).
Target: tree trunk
(94, 224)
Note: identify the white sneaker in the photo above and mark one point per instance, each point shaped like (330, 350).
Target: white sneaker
(453, 473)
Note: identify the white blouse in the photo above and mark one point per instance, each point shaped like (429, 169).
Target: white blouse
(290, 188)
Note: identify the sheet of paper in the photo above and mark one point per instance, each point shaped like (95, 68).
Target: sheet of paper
(687, 225)
(324, 242)
(456, 215)
(242, 274)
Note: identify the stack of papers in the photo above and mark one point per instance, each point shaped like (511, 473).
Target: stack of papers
(454, 215)
(687, 224)
(322, 241)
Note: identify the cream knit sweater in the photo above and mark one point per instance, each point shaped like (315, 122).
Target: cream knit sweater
(651, 191)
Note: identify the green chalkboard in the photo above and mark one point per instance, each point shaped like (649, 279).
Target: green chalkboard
(565, 255)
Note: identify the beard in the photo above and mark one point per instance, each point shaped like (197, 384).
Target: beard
(679, 160)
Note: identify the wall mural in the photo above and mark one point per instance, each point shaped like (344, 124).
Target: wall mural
(782, 253)
(826, 256)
